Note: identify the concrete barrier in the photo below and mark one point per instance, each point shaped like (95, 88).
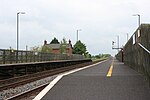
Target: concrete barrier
(20, 69)
(136, 51)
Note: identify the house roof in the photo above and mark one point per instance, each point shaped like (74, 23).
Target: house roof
(54, 46)
(57, 46)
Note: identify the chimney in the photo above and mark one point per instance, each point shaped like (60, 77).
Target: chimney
(70, 44)
(69, 41)
(45, 42)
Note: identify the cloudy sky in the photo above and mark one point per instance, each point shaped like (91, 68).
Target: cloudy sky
(101, 21)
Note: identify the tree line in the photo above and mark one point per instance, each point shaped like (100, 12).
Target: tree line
(78, 48)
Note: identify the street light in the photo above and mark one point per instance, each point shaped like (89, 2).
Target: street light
(77, 33)
(118, 42)
(138, 17)
(127, 37)
(18, 34)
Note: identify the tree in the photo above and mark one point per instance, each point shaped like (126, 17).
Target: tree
(87, 55)
(46, 49)
(63, 46)
(43, 48)
(102, 56)
(36, 49)
(54, 41)
(79, 48)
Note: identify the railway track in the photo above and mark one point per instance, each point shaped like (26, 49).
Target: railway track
(18, 81)
(26, 93)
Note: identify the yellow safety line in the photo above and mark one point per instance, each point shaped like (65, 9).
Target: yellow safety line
(109, 74)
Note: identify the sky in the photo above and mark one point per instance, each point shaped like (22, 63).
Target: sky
(100, 21)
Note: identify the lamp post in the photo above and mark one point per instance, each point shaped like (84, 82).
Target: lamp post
(118, 42)
(127, 37)
(26, 47)
(78, 33)
(139, 19)
(18, 34)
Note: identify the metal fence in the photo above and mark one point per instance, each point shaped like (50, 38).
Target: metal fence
(10, 56)
(136, 53)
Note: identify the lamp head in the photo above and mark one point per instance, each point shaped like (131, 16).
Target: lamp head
(136, 15)
(21, 13)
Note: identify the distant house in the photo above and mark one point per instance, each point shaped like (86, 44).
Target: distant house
(56, 47)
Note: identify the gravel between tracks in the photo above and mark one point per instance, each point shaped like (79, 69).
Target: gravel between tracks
(13, 91)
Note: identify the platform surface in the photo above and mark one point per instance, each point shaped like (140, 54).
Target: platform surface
(93, 84)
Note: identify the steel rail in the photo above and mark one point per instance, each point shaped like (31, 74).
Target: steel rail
(28, 91)
(44, 85)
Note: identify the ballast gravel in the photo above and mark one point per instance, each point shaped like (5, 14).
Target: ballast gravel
(5, 94)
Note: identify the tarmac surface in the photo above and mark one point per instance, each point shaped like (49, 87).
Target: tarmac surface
(93, 84)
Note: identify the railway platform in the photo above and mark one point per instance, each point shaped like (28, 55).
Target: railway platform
(106, 80)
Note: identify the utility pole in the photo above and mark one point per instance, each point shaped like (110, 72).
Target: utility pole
(26, 48)
(139, 18)
(118, 42)
(78, 34)
(18, 34)
(127, 37)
